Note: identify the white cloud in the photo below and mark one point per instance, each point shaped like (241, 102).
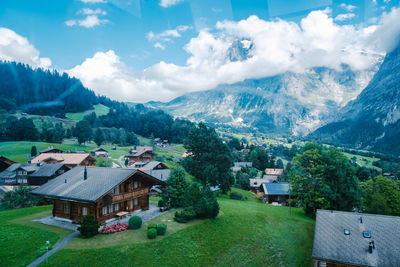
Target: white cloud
(14, 47)
(159, 45)
(89, 11)
(93, 1)
(161, 38)
(168, 3)
(349, 7)
(272, 48)
(88, 22)
(343, 17)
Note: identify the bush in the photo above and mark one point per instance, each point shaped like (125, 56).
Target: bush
(89, 226)
(161, 229)
(135, 222)
(185, 215)
(152, 233)
(161, 203)
(237, 196)
(152, 226)
(114, 228)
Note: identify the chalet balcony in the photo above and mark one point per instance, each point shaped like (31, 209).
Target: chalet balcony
(130, 195)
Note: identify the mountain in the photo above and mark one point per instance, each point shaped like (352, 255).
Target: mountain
(291, 103)
(372, 121)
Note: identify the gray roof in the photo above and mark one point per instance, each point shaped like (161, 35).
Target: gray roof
(46, 170)
(10, 172)
(98, 149)
(276, 188)
(98, 183)
(331, 244)
(46, 150)
(161, 174)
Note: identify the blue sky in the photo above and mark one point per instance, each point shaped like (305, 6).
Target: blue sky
(143, 34)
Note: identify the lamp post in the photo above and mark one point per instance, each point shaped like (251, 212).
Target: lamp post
(47, 249)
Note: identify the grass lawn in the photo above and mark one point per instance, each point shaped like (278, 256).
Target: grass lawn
(246, 233)
(21, 240)
(179, 148)
(99, 109)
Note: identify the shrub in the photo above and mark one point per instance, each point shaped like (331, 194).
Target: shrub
(237, 196)
(152, 226)
(161, 203)
(161, 229)
(135, 222)
(152, 233)
(89, 226)
(185, 215)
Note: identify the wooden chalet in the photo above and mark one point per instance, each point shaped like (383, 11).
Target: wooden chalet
(141, 153)
(5, 163)
(31, 174)
(153, 168)
(97, 191)
(356, 239)
(275, 193)
(69, 159)
(99, 152)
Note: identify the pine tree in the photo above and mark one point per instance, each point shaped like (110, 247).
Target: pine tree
(33, 151)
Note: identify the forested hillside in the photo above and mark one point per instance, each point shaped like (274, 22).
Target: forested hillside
(45, 92)
(42, 92)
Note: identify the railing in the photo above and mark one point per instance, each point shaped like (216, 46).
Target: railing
(130, 195)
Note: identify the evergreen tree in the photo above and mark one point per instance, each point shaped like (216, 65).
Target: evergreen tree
(33, 151)
(174, 192)
(83, 131)
(211, 159)
(99, 137)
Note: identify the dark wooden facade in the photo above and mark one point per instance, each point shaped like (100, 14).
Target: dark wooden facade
(40, 180)
(133, 195)
(145, 156)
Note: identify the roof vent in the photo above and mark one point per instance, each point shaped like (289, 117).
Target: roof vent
(85, 174)
(361, 221)
(371, 246)
(346, 231)
(65, 181)
(366, 234)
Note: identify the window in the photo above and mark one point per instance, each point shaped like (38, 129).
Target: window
(66, 208)
(116, 207)
(111, 208)
(135, 184)
(84, 211)
(116, 190)
(135, 201)
(131, 203)
(105, 210)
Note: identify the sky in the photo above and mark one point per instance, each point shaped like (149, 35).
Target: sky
(156, 50)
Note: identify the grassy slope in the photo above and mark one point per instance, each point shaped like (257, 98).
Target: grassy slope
(363, 161)
(247, 233)
(98, 109)
(21, 240)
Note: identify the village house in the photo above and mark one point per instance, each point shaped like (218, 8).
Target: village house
(69, 159)
(153, 168)
(31, 174)
(141, 153)
(356, 239)
(99, 152)
(100, 192)
(273, 174)
(274, 193)
(5, 163)
(255, 183)
(50, 150)
(237, 166)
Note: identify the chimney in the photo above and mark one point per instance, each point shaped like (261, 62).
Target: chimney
(85, 174)
(65, 181)
(361, 220)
